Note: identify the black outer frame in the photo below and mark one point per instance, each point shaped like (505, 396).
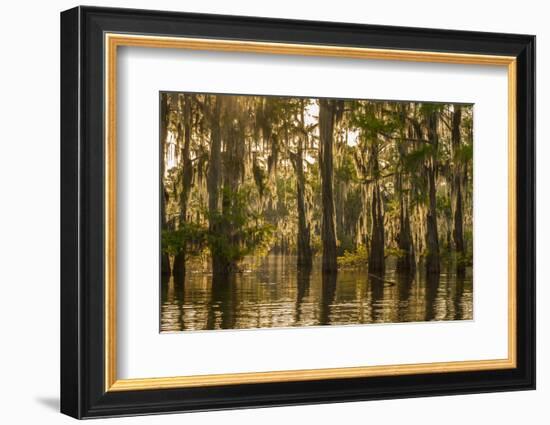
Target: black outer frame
(82, 212)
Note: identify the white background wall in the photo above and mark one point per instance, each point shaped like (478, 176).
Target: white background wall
(29, 212)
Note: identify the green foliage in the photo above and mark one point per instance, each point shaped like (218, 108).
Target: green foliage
(449, 255)
(346, 243)
(395, 252)
(392, 207)
(349, 210)
(430, 108)
(444, 205)
(237, 231)
(190, 236)
(464, 154)
(316, 244)
(359, 258)
(346, 171)
(466, 259)
(372, 124)
(416, 158)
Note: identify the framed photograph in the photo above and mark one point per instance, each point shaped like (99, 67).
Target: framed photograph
(261, 212)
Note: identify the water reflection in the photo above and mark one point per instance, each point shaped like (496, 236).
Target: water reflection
(273, 293)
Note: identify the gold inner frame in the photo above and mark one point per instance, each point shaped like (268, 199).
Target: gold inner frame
(113, 41)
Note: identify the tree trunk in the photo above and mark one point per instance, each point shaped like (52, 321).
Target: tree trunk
(406, 260)
(304, 247)
(185, 128)
(213, 180)
(233, 163)
(458, 232)
(432, 237)
(304, 259)
(328, 226)
(164, 259)
(376, 248)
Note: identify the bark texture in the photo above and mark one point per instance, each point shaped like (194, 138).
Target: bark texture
(328, 225)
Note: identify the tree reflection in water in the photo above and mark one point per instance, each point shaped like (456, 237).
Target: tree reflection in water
(275, 294)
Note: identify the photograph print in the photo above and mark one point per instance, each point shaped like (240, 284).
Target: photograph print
(292, 211)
